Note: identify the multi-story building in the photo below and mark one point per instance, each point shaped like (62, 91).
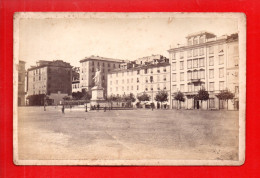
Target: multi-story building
(206, 61)
(88, 67)
(146, 76)
(75, 80)
(21, 83)
(51, 78)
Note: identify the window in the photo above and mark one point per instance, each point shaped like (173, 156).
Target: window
(146, 80)
(236, 89)
(182, 87)
(189, 88)
(189, 42)
(189, 64)
(151, 87)
(221, 72)
(158, 70)
(181, 55)
(174, 77)
(202, 74)
(221, 59)
(164, 69)
(202, 39)
(114, 66)
(137, 87)
(127, 88)
(211, 73)
(108, 64)
(182, 76)
(137, 80)
(195, 74)
(195, 41)
(189, 53)
(138, 71)
(211, 61)
(173, 56)
(221, 85)
(195, 63)
(19, 78)
(211, 50)
(123, 88)
(132, 87)
(174, 89)
(151, 71)
(181, 65)
(174, 66)
(146, 88)
(220, 48)
(164, 77)
(158, 86)
(189, 75)
(195, 52)
(201, 51)
(201, 62)
(145, 71)
(132, 80)
(93, 63)
(211, 86)
(196, 87)
(211, 103)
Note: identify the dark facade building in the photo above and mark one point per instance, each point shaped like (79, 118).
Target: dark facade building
(21, 83)
(50, 78)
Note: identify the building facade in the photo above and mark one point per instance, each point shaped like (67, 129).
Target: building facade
(75, 80)
(208, 62)
(149, 76)
(21, 83)
(88, 67)
(50, 78)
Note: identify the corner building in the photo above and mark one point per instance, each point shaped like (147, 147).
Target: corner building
(52, 78)
(209, 62)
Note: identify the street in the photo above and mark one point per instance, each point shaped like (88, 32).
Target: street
(127, 134)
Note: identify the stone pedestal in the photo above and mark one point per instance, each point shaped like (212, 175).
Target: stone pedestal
(97, 96)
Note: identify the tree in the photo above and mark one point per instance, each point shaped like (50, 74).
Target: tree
(161, 96)
(225, 95)
(179, 96)
(66, 98)
(202, 95)
(143, 97)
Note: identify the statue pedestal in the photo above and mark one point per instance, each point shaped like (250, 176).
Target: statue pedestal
(97, 96)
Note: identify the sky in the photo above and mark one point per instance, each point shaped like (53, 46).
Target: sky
(71, 40)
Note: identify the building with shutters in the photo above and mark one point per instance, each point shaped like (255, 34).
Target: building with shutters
(205, 61)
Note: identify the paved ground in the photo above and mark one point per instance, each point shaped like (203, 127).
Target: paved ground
(132, 134)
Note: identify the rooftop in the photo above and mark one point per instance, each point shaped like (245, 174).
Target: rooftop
(101, 59)
(208, 34)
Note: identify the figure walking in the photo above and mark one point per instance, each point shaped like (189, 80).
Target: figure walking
(86, 107)
(63, 109)
(98, 107)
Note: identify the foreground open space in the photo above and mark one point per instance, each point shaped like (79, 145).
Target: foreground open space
(131, 134)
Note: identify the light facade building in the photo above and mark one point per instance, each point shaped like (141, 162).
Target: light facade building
(21, 83)
(148, 76)
(75, 80)
(88, 67)
(208, 62)
(51, 78)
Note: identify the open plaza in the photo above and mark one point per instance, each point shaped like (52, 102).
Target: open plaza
(127, 134)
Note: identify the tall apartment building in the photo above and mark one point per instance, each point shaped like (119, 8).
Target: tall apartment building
(137, 77)
(206, 61)
(21, 83)
(52, 78)
(88, 67)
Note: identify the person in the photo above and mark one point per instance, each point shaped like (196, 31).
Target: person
(70, 107)
(105, 108)
(86, 107)
(94, 107)
(63, 109)
(98, 107)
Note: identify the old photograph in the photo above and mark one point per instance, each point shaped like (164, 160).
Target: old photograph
(129, 88)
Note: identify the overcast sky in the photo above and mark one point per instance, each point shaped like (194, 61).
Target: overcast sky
(73, 39)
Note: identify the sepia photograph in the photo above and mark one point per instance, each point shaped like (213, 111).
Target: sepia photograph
(129, 88)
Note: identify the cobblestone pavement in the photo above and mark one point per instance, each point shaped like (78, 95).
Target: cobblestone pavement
(131, 134)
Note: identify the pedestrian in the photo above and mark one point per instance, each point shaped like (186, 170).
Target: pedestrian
(105, 108)
(86, 107)
(70, 107)
(63, 109)
(94, 107)
(98, 107)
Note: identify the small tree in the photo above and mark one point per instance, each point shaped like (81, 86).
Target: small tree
(161, 96)
(225, 95)
(202, 95)
(66, 98)
(143, 97)
(179, 96)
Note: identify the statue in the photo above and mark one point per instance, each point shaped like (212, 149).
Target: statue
(97, 78)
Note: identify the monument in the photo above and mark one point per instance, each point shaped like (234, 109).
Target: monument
(97, 91)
